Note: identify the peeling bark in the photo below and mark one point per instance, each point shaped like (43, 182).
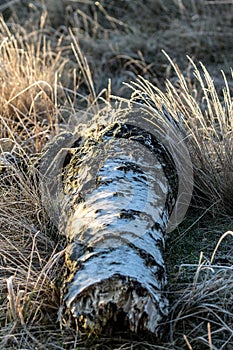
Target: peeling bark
(115, 222)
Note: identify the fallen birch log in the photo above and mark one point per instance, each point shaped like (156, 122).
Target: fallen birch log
(120, 186)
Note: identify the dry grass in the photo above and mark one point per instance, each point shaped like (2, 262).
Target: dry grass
(202, 316)
(120, 45)
(205, 117)
(29, 258)
(44, 79)
(28, 92)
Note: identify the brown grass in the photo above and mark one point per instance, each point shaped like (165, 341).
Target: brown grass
(206, 120)
(28, 91)
(44, 80)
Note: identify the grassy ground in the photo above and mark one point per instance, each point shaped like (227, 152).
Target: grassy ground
(53, 65)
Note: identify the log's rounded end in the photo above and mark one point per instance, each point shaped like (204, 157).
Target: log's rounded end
(118, 304)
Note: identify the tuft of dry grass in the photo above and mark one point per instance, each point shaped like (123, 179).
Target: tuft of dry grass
(30, 259)
(28, 89)
(202, 316)
(205, 117)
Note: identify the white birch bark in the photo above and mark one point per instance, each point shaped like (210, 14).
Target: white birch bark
(115, 221)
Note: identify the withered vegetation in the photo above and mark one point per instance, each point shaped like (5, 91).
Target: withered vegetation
(54, 64)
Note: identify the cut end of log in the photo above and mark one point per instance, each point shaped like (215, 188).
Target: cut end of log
(118, 304)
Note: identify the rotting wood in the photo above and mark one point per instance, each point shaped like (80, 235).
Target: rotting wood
(115, 222)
